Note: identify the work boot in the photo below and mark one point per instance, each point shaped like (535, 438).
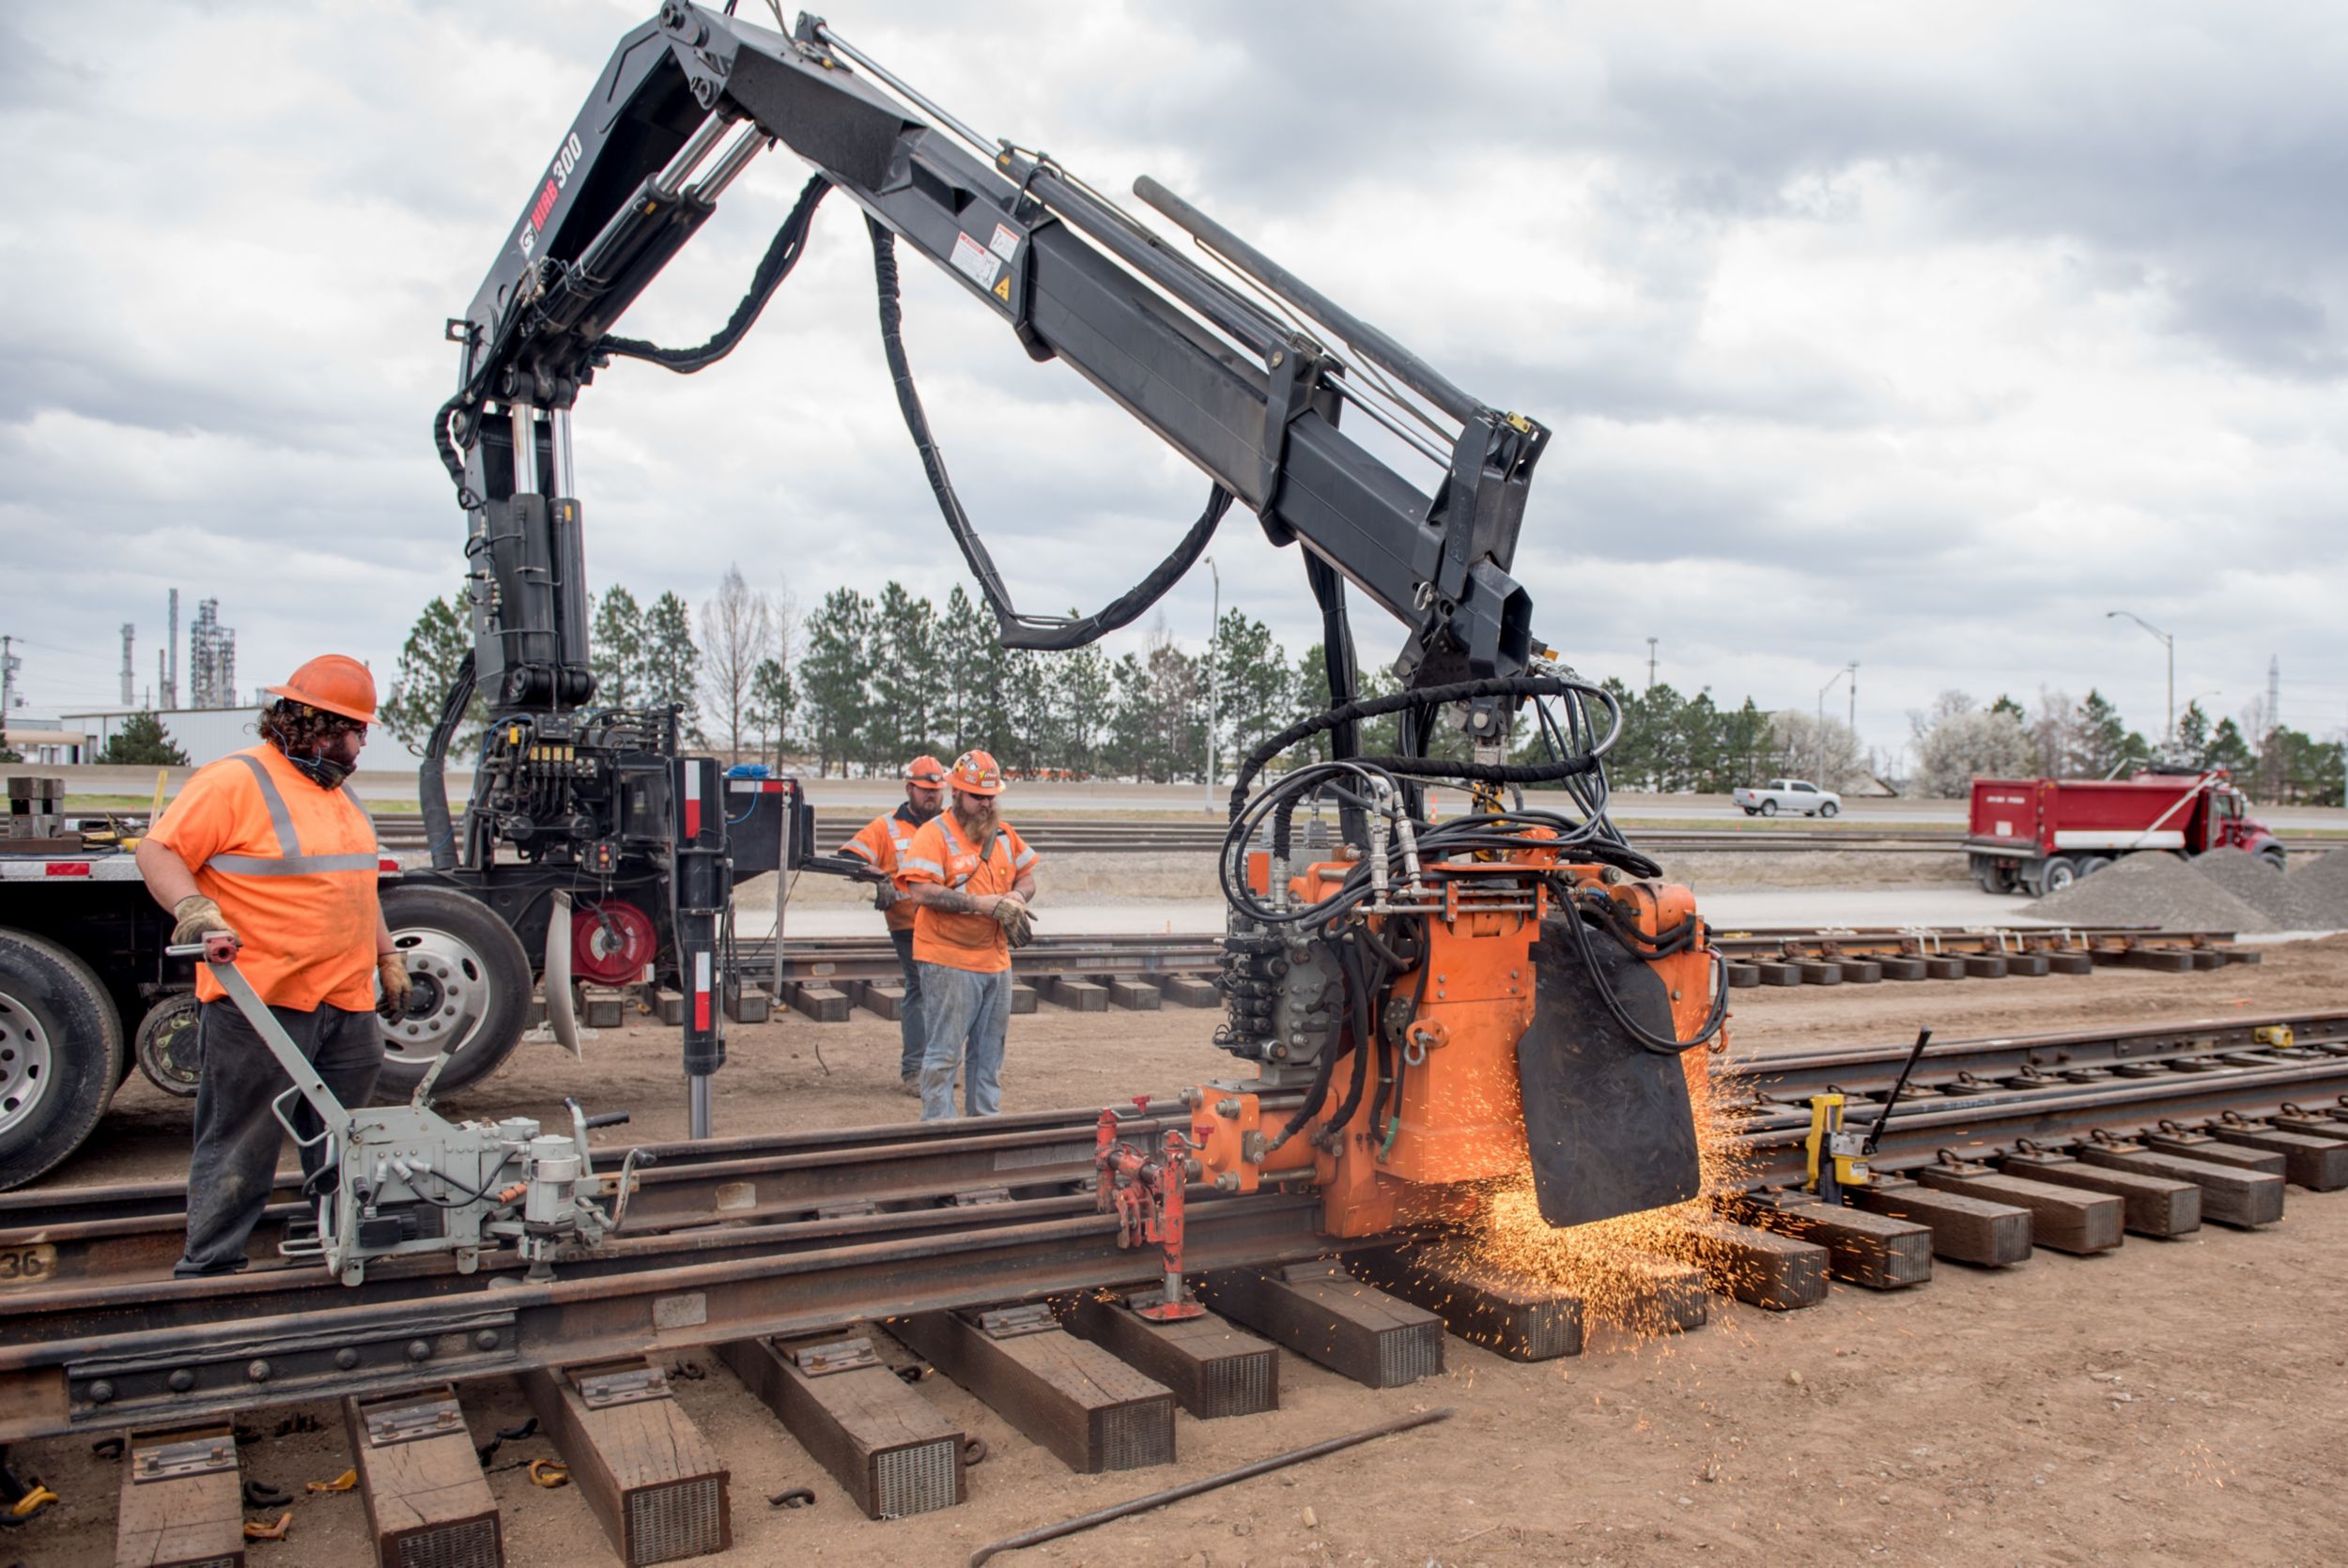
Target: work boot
(910, 1085)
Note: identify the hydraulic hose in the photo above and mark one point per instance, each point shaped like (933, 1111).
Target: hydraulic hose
(782, 253)
(1050, 634)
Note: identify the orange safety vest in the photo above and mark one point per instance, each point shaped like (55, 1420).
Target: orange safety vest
(293, 868)
(883, 842)
(940, 853)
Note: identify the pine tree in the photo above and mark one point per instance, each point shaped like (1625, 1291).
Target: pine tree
(143, 741)
(832, 678)
(1254, 688)
(671, 662)
(616, 650)
(772, 699)
(436, 645)
(910, 682)
(1084, 690)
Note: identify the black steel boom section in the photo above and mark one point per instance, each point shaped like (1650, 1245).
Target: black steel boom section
(1249, 395)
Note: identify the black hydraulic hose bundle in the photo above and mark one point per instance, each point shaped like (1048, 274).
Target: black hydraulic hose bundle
(1051, 634)
(782, 253)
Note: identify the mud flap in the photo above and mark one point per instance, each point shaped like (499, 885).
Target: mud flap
(1607, 1121)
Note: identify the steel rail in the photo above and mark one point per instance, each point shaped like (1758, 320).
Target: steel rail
(92, 1355)
(824, 959)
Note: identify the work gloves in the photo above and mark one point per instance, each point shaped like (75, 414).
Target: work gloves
(1017, 921)
(193, 915)
(391, 970)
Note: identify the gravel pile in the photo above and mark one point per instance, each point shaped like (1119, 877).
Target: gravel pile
(2154, 890)
(2255, 881)
(2317, 886)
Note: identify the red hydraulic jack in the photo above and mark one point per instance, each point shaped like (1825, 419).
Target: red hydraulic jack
(1145, 1191)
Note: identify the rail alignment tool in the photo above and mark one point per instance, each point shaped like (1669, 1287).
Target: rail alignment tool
(403, 1179)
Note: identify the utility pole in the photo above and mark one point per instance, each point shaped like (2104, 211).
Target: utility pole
(1854, 705)
(129, 678)
(1215, 620)
(1850, 669)
(1650, 664)
(9, 665)
(2169, 735)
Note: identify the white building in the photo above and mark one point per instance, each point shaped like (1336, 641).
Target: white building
(206, 734)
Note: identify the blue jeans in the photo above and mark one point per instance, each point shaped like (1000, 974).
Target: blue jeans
(910, 1023)
(968, 1016)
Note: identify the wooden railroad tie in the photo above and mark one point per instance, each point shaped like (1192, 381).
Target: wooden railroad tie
(1062, 1393)
(892, 1452)
(656, 1484)
(2231, 1193)
(1506, 1314)
(1873, 1251)
(182, 1498)
(2065, 1219)
(1324, 1315)
(421, 1479)
(1963, 1229)
(2160, 1207)
(1213, 1367)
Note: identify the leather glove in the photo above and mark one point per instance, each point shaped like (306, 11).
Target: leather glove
(192, 916)
(1017, 920)
(886, 895)
(391, 970)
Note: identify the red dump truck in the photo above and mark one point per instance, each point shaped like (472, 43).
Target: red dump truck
(2039, 835)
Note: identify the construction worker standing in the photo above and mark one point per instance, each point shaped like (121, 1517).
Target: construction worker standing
(971, 879)
(271, 845)
(882, 844)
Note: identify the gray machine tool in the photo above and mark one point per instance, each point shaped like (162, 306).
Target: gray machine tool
(402, 1180)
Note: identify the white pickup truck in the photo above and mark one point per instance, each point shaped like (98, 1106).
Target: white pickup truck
(1786, 794)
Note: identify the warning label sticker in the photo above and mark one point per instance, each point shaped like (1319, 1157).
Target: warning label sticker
(1006, 242)
(974, 261)
(1002, 288)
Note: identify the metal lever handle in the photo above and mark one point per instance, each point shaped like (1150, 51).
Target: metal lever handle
(608, 1118)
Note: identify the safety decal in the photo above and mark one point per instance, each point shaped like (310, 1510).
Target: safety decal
(1006, 241)
(1002, 288)
(974, 261)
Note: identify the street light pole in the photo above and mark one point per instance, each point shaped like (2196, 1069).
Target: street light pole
(2166, 641)
(1215, 620)
(1850, 669)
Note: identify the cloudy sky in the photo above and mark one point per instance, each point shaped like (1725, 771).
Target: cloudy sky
(1918, 336)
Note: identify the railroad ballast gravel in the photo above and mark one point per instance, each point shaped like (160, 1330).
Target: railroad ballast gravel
(2152, 889)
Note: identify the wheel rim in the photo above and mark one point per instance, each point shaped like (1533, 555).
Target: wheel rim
(25, 1063)
(451, 998)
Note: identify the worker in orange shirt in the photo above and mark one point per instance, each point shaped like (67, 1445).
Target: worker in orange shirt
(971, 879)
(881, 844)
(271, 845)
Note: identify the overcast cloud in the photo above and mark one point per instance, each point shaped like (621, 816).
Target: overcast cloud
(1911, 335)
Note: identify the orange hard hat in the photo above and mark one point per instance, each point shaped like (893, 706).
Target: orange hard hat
(926, 769)
(333, 683)
(976, 774)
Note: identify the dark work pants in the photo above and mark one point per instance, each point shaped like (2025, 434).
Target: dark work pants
(237, 1135)
(914, 1036)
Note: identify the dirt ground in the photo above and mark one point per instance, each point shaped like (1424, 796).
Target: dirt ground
(2172, 1400)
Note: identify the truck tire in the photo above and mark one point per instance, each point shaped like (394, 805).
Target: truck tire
(1768, 809)
(61, 1054)
(471, 991)
(2093, 864)
(2055, 873)
(1827, 809)
(1749, 810)
(1994, 875)
(2273, 854)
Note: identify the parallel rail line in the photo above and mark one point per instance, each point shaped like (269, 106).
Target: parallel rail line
(1111, 835)
(826, 959)
(805, 1232)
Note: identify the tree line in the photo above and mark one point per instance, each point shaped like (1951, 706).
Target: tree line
(862, 682)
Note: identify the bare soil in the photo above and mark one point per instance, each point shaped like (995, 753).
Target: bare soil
(2168, 1402)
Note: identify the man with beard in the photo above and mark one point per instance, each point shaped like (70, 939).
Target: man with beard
(971, 879)
(270, 845)
(882, 845)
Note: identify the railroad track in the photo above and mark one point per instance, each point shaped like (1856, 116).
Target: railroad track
(1108, 834)
(838, 960)
(763, 1249)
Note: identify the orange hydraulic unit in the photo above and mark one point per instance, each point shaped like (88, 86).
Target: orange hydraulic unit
(1506, 1030)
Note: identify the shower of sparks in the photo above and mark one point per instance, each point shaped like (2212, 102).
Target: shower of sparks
(1632, 1273)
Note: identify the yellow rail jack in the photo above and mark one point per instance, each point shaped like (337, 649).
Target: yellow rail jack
(1837, 1156)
